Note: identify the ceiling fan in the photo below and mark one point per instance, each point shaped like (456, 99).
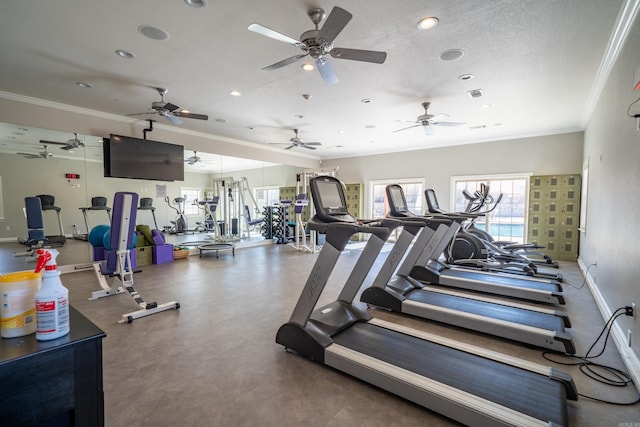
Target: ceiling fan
(72, 143)
(193, 159)
(427, 120)
(168, 110)
(297, 142)
(317, 43)
(41, 155)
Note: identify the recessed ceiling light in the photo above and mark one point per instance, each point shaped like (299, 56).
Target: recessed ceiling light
(428, 22)
(196, 3)
(341, 131)
(485, 106)
(235, 93)
(307, 67)
(221, 120)
(451, 54)
(465, 77)
(125, 54)
(84, 85)
(366, 100)
(370, 126)
(153, 32)
(299, 116)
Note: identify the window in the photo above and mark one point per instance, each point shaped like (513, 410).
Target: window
(413, 192)
(266, 196)
(508, 221)
(191, 195)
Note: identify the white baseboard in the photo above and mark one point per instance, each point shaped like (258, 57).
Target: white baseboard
(629, 357)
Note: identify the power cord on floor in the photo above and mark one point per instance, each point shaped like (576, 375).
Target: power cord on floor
(584, 281)
(601, 373)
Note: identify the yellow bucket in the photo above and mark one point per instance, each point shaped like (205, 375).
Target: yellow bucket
(18, 303)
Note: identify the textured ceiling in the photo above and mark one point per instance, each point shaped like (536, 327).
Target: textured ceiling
(535, 61)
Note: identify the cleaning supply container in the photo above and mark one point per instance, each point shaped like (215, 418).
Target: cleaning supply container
(52, 299)
(18, 304)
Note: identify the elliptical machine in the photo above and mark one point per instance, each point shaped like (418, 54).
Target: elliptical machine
(180, 225)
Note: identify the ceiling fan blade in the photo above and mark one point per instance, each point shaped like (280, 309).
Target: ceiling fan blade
(312, 143)
(398, 130)
(434, 118)
(69, 147)
(335, 23)
(42, 141)
(268, 32)
(304, 145)
(452, 124)
(170, 107)
(326, 71)
(29, 155)
(289, 147)
(359, 55)
(285, 62)
(191, 115)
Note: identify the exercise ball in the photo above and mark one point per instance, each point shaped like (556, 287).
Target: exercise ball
(96, 235)
(106, 241)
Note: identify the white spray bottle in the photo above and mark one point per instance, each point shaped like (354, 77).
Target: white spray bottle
(52, 299)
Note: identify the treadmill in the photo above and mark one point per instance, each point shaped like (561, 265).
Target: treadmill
(468, 384)
(531, 325)
(430, 269)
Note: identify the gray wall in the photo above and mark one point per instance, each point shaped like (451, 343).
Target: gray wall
(612, 237)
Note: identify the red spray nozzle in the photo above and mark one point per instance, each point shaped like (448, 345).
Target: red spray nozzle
(46, 257)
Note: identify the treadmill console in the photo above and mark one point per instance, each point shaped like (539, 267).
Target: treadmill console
(328, 200)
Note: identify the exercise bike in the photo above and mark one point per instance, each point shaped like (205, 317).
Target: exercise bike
(180, 225)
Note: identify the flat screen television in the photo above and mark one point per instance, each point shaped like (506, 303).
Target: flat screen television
(135, 158)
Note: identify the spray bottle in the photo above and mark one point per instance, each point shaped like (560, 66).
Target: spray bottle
(52, 299)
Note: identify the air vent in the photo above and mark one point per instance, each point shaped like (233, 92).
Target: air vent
(476, 93)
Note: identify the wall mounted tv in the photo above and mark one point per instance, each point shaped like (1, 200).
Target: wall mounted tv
(128, 157)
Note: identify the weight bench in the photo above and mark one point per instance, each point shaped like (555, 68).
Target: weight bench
(118, 264)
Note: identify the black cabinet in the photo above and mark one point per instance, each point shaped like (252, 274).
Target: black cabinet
(53, 383)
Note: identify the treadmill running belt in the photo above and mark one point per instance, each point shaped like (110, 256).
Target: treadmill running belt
(501, 280)
(523, 391)
(496, 311)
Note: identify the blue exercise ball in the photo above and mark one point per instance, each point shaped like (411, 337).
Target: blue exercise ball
(96, 235)
(106, 241)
